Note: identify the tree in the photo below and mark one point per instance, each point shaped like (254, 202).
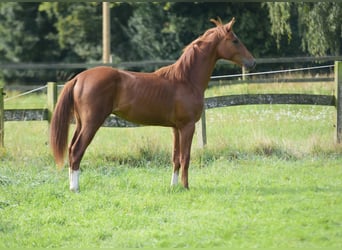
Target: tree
(78, 28)
(152, 36)
(317, 25)
(23, 32)
(321, 27)
(72, 31)
(162, 30)
(120, 38)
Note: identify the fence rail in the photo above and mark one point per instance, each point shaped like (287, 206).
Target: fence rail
(158, 63)
(212, 102)
(252, 99)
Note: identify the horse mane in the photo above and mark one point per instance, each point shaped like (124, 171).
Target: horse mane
(180, 69)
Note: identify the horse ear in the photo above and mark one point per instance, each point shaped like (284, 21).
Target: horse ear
(229, 26)
(217, 22)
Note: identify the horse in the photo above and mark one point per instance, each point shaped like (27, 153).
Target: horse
(172, 96)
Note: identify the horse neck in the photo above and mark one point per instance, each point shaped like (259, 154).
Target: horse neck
(199, 68)
(195, 65)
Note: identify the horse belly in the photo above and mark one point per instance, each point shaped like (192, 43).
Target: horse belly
(144, 99)
(145, 114)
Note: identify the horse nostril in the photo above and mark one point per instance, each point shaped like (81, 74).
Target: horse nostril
(251, 65)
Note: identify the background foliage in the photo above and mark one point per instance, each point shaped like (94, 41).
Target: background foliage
(72, 32)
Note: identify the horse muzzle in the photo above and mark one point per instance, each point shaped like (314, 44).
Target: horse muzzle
(249, 64)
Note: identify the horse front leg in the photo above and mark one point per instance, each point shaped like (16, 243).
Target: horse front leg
(175, 157)
(186, 134)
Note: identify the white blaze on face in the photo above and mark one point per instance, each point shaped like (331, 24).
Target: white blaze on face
(74, 178)
(174, 179)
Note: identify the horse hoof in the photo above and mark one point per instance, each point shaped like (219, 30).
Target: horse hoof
(74, 180)
(74, 190)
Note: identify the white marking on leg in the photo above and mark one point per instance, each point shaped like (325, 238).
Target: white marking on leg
(73, 178)
(174, 179)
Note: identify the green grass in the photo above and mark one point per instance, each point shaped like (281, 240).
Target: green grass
(33, 100)
(324, 88)
(270, 176)
(265, 204)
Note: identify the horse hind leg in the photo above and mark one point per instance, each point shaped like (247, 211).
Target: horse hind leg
(74, 173)
(80, 142)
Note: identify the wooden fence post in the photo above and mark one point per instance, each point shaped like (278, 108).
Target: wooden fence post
(338, 96)
(51, 98)
(202, 131)
(2, 118)
(244, 71)
(52, 95)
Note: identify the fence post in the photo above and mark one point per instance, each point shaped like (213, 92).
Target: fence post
(338, 97)
(202, 131)
(51, 98)
(51, 101)
(2, 118)
(244, 71)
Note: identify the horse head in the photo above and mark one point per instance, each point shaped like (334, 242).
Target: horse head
(230, 47)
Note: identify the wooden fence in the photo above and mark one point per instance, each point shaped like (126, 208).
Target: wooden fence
(212, 102)
(157, 63)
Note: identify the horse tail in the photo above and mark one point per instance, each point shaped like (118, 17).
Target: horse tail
(60, 122)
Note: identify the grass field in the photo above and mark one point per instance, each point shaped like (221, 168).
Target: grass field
(270, 176)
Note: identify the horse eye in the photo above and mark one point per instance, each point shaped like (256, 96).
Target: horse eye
(235, 41)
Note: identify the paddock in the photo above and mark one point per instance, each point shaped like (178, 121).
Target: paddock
(269, 176)
(210, 102)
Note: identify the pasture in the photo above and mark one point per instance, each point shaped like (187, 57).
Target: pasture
(270, 176)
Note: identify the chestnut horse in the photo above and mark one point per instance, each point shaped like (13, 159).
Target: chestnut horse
(172, 96)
